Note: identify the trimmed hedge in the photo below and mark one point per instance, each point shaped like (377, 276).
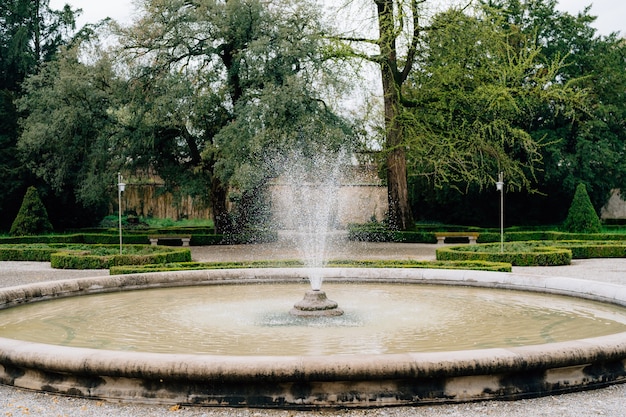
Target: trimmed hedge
(139, 238)
(31, 254)
(489, 237)
(582, 249)
(369, 233)
(529, 254)
(475, 265)
(82, 256)
(86, 259)
(522, 253)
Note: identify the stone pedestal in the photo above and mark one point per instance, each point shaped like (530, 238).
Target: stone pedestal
(315, 304)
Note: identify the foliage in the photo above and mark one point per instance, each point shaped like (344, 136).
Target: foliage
(471, 265)
(30, 34)
(32, 218)
(517, 254)
(582, 217)
(577, 134)
(588, 145)
(475, 92)
(68, 105)
(103, 257)
(84, 256)
(537, 252)
(216, 88)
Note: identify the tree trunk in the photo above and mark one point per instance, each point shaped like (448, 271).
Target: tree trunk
(400, 215)
(221, 217)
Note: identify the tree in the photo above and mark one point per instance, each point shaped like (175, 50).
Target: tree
(409, 43)
(32, 219)
(399, 29)
(200, 70)
(588, 145)
(69, 136)
(582, 217)
(477, 89)
(30, 34)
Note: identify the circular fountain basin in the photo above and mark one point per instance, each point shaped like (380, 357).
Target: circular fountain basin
(311, 379)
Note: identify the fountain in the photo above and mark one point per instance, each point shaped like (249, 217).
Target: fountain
(356, 378)
(364, 375)
(309, 203)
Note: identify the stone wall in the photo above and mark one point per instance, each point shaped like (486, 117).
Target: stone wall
(615, 208)
(150, 200)
(361, 198)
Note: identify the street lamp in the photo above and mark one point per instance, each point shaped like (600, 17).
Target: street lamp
(120, 188)
(500, 187)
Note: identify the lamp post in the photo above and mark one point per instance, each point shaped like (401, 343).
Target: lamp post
(120, 188)
(500, 187)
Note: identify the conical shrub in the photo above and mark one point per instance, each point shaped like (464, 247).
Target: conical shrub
(32, 219)
(582, 217)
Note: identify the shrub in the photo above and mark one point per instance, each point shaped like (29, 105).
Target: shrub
(32, 218)
(105, 256)
(187, 266)
(582, 217)
(517, 254)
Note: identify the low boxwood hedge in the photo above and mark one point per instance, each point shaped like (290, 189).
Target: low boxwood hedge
(376, 232)
(136, 238)
(475, 265)
(535, 253)
(517, 254)
(83, 256)
(103, 257)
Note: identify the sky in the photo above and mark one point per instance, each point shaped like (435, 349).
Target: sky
(610, 12)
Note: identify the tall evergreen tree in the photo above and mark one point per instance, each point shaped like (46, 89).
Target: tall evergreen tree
(30, 34)
(32, 218)
(582, 217)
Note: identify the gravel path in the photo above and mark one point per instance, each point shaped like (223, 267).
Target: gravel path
(609, 401)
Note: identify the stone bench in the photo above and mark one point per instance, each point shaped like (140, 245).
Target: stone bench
(441, 236)
(154, 240)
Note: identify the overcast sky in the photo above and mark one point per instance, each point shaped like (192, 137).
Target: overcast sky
(611, 13)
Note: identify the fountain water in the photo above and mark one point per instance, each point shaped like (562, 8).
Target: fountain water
(309, 209)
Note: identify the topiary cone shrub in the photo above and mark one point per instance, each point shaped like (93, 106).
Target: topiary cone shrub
(582, 217)
(32, 219)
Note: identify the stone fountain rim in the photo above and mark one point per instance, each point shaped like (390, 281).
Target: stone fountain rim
(40, 364)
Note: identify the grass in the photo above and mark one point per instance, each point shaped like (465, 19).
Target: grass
(159, 223)
(156, 223)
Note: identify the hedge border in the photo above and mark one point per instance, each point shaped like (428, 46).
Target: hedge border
(142, 238)
(473, 265)
(82, 259)
(426, 234)
(56, 254)
(542, 255)
(580, 249)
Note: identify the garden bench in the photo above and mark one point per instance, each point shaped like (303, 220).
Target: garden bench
(154, 240)
(441, 236)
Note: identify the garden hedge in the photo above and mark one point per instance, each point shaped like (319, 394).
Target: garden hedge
(527, 254)
(475, 265)
(522, 253)
(82, 256)
(136, 238)
(86, 259)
